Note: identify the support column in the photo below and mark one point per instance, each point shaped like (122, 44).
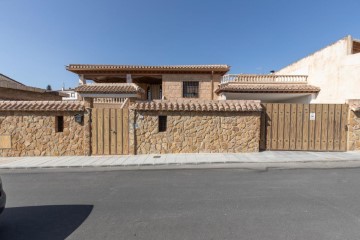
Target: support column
(128, 78)
(82, 80)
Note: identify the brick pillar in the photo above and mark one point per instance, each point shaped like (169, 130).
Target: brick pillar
(132, 137)
(353, 143)
(88, 102)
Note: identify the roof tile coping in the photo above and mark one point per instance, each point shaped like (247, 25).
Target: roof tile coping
(198, 105)
(109, 88)
(42, 106)
(223, 67)
(354, 104)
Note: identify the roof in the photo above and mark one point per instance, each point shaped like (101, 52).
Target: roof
(83, 68)
(262, 88)
(199, 105)
(7, 82)
(41, 106)
(8, 79)
(130, 88)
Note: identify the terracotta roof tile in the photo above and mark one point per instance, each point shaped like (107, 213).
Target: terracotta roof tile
(110, 88)
(293, 88)
(41, 106)
(222, 67)
(199, 105)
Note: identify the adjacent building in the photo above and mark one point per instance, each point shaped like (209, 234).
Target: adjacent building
(14, 90)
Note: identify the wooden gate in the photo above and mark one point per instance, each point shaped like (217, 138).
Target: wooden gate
(110, 131)
(305, 127)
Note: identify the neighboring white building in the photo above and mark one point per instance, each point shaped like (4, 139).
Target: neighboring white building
(72, 95)
(335, 69)
(330, 75)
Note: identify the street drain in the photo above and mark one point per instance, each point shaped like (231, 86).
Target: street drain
(156, 156)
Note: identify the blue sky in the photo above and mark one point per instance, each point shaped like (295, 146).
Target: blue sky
(39, 37)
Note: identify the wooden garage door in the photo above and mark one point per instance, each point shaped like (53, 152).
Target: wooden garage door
(110, 131)
(306, 127)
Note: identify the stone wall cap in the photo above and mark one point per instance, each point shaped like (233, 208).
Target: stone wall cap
(199, 105)
(355, 107)
(279, 88)
(46, 106)
(130, 88)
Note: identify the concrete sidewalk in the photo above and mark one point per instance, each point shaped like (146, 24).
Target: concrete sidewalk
(269, 158)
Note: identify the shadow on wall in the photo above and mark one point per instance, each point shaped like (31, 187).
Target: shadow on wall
(42, 222)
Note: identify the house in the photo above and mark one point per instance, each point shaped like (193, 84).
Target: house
(14, 90)
(330, 75)
(149, 82)
(71, 94)
(165, 109)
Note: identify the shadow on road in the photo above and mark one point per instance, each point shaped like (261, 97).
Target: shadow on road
(42, 222)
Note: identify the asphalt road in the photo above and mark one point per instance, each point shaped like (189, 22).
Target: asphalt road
(182, 204)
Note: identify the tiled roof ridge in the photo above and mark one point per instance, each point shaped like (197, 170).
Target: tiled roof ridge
(41, 106)
(198, 105)
(192, 66)
(109, 88)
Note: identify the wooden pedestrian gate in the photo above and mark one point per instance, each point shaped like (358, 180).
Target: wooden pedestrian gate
(306, 127)
(110, 131)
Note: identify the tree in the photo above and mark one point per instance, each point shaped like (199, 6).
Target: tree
(48, 87)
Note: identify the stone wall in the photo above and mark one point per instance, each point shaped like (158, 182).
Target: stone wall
(192, 132)
(34, 134)
(354, 131)
(173, 85)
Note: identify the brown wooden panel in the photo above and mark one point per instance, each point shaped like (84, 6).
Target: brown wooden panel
(281, 122)
(268, 125)
(312, 128)
(324, 127)
(274, 124)
(126, 130)
(293, 109)
(119, 131)
(287, 127)
(306, 123)
(318, 111)
(330, 127)
(299, 126)
(113, 131)
(107, 131)
(343, 128)
(337, 127)
(94, 131)
(100, 131)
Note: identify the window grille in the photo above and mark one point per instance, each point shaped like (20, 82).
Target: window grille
(190, 89)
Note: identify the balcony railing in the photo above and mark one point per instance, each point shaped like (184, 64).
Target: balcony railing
(109, 100)
(252, 78)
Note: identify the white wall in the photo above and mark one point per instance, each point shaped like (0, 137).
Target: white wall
(333, 69)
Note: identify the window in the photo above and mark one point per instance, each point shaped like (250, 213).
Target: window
(59, 124)
(190, 89)
(148, 93)
(162, 123)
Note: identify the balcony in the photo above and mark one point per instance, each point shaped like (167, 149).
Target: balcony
(261, 79)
